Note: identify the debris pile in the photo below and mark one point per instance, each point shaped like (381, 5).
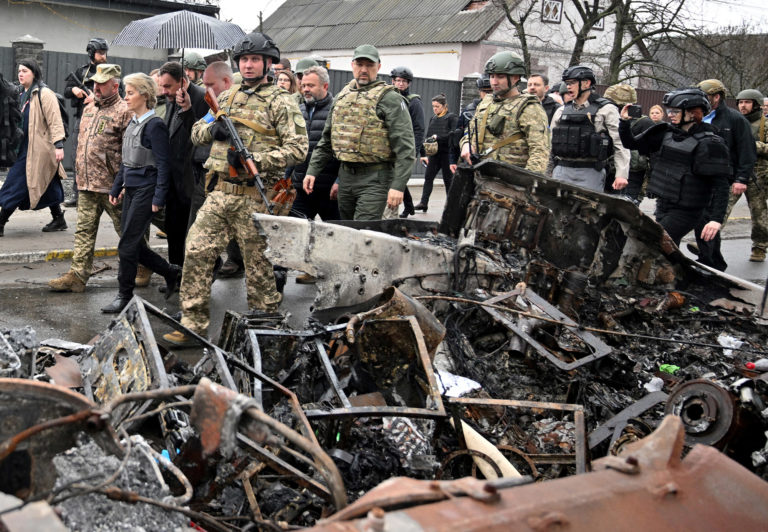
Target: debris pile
(539, 328)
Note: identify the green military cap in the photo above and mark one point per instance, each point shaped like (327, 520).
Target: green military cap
(367, 51)
(712, 86)
(105, 72)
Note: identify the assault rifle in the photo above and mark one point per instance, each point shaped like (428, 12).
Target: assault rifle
(236, 145)
(80, 82)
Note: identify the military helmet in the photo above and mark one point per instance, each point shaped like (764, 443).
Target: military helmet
(505, 63)
(686, 98)
(621, 94)
(402, 72)
(579, 72)
(751, 94)
(194, 61)
(484, 82)
(712, 86)
(258, 44)
(97, 44)
(304, 63)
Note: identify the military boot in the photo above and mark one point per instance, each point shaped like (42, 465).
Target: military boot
(57, 224)
(143, 275)
(179, 339)
(69, 282)
(758, 255)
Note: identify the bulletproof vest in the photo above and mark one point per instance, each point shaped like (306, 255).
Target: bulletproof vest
(358, 134)
(497, 122)
(680, 169)
(575, 137)
(134, 154)
(250, 112)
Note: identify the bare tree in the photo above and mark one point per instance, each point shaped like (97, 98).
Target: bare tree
(590, 14)
(518, 12)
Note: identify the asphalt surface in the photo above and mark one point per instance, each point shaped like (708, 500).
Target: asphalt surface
(29, 258)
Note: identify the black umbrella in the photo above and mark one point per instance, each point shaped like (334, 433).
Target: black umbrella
(180, 29)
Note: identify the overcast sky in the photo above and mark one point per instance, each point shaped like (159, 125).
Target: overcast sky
(711, 13)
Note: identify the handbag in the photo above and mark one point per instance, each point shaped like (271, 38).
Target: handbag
(430, 146)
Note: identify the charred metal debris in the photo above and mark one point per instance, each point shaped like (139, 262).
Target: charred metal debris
(543, 339)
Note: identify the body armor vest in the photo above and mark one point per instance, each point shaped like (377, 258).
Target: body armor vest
(249, 111)
(135, 155)
(358, 135)
(497, 121)
(575, 137)
(680, 175)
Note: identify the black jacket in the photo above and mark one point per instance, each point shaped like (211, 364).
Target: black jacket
(550, 106)
(182, 150)
(461, 125)
(442, 126)
(649, 142)
(83, 74)
(416, 110)
(737, 133)
(315, 125)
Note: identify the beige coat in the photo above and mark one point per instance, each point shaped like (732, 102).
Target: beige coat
(45, 128)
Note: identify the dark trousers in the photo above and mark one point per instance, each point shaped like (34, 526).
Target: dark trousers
(132, 249)
(437, 163)
(319, 202)
(176, 220)
(677, 222)
(198, 194)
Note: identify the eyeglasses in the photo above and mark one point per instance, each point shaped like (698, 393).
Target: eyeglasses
(674, 111)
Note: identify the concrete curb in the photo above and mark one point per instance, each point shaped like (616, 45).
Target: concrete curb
(60, 254)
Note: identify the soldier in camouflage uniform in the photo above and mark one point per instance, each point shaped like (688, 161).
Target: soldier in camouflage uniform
(369, 130)
(194, 67)
(750, 101)
(271, 126)
(98, 161)
(508, 125)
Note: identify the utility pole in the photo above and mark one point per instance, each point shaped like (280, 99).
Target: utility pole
(261, 22)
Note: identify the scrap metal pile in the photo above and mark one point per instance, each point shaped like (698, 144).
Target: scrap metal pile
(538, 328)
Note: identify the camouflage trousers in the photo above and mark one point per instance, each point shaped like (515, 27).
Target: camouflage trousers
(223, 217)
(757, 200)
(90, 206)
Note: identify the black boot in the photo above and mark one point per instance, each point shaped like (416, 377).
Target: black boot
(172, 280)
(57, 224)
(116, 306)
(5, 214)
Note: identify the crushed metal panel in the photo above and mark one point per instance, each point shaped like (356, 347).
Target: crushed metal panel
(352, 265)
(597, 347)
(126, 359)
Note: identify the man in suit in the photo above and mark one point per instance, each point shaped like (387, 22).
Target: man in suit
(186, 105)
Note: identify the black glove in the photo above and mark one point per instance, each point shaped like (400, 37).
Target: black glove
(219, 131)
(234, 159)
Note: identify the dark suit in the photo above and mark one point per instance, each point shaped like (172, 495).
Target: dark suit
(182, 178)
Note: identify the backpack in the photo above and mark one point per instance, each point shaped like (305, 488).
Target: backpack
(62, 109)
(10, 123)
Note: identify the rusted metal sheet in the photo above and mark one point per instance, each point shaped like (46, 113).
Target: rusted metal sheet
(647, 488)
(25, 404)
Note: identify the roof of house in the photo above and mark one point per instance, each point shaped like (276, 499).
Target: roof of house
(346, 24)
(153, 7)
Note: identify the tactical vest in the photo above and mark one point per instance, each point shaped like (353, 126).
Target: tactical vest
(135, 155)
(759, 132)
(575, 137)
(250, 112)
(498, 133)
(681, 176)
(358, 134)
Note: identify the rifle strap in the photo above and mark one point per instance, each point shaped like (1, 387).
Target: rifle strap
(247, 123)
(761, 132)
(509, 140)
(481, 133)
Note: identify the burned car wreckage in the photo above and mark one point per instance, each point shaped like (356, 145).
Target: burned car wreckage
(549, 341)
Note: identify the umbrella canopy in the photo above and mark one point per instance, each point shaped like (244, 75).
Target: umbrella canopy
(180, 29)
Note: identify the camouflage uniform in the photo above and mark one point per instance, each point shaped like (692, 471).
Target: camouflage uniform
(273, 129)
(757, 189)
(369, 130)
(513, 130)
(98, 161)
